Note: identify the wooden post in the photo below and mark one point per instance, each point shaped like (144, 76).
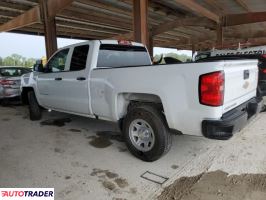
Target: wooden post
(140, 25)
(49, 29)
(193, 49)
(219, 42)
(150, 45)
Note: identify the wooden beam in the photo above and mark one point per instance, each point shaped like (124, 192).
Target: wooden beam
(243, 5)
(9, 14)
(250, 34)
(37, 29)
(103, 7)
(169, 26)
(140, 21)
(244, 18)
(80, 26)
(214, 4)
(33, 16)
(49, 9)
(190, 21)
(235, 43)
(200, 10)
(126, 36)
(150, 45)
(219, 30)
(13, 6)
(56, 6)
(193, 49)
(49, 29)
(97, 20)
(228, 20)
(28, 18)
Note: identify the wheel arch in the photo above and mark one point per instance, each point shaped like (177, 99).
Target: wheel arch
(24, 94)
(127, 101)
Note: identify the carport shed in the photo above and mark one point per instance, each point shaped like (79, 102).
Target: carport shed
(180, 24)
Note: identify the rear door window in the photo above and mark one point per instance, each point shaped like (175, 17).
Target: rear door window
(111, 56)
(79, 58)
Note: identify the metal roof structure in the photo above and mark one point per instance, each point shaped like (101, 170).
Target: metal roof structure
(180, 24)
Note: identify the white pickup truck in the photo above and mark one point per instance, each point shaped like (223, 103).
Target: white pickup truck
(116, 81)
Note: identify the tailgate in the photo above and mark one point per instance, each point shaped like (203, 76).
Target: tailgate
(241, 80)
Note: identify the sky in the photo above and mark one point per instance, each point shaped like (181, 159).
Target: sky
(30, 46)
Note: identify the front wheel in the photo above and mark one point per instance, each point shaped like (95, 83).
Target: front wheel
(34, 108)
(146, 133)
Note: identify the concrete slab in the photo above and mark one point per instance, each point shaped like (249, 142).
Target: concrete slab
(81, 164)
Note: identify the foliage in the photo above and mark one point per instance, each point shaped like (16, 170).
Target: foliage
(181, 57)
(17, 60)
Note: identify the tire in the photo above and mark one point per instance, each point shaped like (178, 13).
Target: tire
(4, 102)
(34, 108)
(143, 120)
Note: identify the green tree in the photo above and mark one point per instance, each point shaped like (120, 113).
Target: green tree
(9, 61)
(17, 60)
(30, 62)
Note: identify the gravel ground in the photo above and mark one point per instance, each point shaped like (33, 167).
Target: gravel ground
(87, 159)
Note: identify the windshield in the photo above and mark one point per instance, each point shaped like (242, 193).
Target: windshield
(12, 72)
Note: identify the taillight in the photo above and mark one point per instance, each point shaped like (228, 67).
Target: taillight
(263, 55)
(6, 83)
(264, 71)
(124, 42)
(211, 89)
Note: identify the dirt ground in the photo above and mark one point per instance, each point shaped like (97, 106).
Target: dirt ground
(217, 185)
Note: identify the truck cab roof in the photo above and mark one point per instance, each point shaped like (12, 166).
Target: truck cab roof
(121, 42)
(112, 42)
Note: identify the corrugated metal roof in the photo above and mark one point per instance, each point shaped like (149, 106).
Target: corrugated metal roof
(104, 19)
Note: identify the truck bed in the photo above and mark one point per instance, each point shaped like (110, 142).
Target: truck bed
(177, 86)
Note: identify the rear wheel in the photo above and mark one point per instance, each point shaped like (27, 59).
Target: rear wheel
(146, 133)
(34, 108)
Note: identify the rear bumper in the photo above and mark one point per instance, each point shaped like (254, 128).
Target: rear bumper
(262, 88)
(231, 121)
(9, 92)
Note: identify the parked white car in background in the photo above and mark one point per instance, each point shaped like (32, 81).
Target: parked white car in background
(115, 80)
(10, 78)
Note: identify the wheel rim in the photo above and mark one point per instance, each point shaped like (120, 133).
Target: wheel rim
(141, 135)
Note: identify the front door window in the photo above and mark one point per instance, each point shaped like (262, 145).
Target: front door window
(58, 62)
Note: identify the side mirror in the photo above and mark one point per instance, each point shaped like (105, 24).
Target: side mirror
(38, 67)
